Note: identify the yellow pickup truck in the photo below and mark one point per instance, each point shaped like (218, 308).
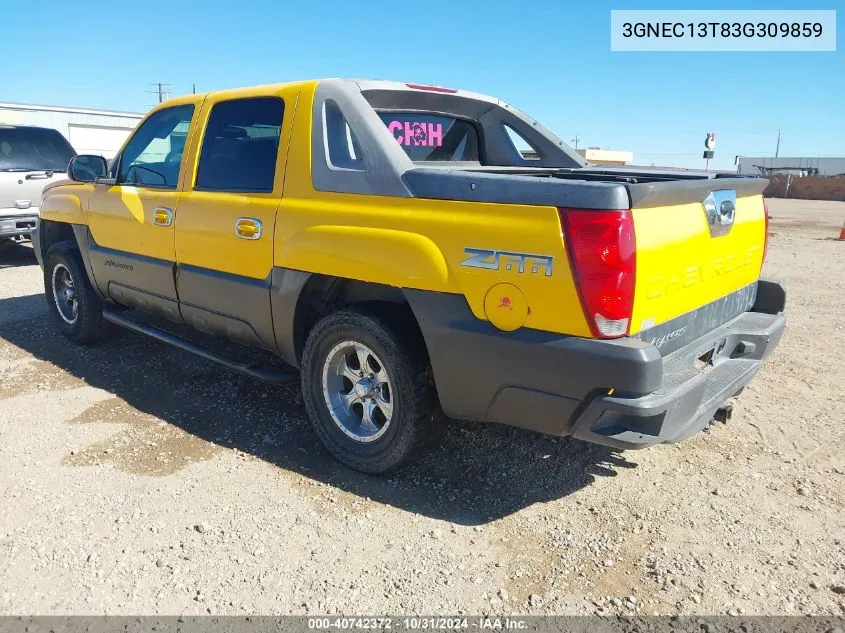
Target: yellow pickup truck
(405, 256)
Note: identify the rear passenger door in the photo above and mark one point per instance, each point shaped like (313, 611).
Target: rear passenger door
(226, 218)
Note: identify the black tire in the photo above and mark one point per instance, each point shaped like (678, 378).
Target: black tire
(88, 324)
(415, 413)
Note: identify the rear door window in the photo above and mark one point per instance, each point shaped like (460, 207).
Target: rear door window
(429, 137)
(241, 146)
(33, 149)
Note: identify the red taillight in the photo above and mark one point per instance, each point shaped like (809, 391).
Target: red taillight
(431, 88)
(602, 253)
(766, 234)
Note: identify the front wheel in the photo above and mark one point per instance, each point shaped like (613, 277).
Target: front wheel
(366, 391)
(71, 299)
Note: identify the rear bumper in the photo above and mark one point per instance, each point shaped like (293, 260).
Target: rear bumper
(562, 385)
(17, 224)
(691, 395)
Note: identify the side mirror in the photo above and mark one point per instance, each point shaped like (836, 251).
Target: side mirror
(87, 168)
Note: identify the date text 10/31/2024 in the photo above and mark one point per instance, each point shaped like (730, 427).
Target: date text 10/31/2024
(485, 623)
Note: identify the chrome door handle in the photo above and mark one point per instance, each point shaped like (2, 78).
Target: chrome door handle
(163, 216)
(248, 228)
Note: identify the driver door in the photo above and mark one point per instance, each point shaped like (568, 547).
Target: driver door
(131, 222)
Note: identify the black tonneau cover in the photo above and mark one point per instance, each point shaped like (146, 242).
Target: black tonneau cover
(586, 188)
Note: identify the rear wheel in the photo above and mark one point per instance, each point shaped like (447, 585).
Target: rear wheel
(366, 391)
(75, 307)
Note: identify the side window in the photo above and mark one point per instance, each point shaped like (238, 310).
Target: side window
(241, 145)
(153, 155)
(525, 149)
(343, 149)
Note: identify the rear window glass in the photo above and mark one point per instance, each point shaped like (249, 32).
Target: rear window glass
(33, 149)
(433, 137)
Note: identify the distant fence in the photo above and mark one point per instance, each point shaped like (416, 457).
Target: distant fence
(806, 188)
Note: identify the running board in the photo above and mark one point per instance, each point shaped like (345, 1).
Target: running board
(262, 373)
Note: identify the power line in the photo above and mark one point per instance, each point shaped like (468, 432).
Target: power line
(791, 155)
(777, 148)
(162, 90)
(667, 154)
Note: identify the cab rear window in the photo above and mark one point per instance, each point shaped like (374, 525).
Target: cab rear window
(429, 137)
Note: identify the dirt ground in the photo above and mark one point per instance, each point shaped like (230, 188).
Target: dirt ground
(138, 479)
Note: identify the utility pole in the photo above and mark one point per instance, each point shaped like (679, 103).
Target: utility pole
(576, 140)
(777, 149)
(161, 90)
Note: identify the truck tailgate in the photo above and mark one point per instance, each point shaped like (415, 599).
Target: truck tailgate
(695, 246)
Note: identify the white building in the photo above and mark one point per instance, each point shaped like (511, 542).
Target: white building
(598, 156)
(593, 155)
(89, 131)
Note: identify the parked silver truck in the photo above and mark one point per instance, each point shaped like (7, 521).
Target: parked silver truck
(30, 158)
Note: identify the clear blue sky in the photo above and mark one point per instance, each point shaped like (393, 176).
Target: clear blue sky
(550, 58)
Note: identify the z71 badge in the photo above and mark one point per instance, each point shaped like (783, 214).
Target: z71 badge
(496, 260)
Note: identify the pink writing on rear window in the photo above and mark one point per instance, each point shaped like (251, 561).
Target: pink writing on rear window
(417, 133)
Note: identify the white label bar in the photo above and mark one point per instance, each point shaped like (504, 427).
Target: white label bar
(723, 30)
